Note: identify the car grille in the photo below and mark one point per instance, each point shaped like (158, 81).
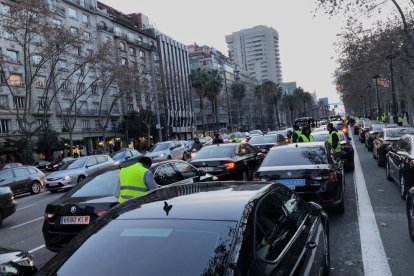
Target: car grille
(53, 178)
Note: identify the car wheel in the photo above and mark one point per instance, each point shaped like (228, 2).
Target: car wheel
(169, 157)
(80, 178)
(35, 188)
(340, 209)
(403, 189)
(410, 216)
(327, 261)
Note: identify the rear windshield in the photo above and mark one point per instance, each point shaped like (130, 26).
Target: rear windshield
(262, 139)
(214, 152)
(103, 185)
(156, 247)
(398, 132)
(290, 156)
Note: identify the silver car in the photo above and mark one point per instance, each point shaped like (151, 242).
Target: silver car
(166, 151)
(76, 171)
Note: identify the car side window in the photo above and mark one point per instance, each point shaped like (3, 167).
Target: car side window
(32, 171)
(273, 228)
(186, 170)
(294, 205)
(407, 143)
(102, 159)
(20, 172)
(135, 153)
(401, 144)
(6, 175)
(166, 174)
(243, 150)
(172, 145)
(178, 144)
(128, 153)
(91, 162)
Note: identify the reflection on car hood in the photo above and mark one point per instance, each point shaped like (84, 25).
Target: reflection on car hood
(155, 153)
(293, 168)
(71, 172)
(84, 200)
(7, 255)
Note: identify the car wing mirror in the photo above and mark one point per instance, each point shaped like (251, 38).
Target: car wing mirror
(127, 157)
(314, 208)
(202, 172)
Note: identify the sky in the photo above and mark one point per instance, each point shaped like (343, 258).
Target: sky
(306, 39)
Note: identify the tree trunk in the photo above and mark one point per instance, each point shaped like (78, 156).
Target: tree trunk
(240, 119)
(71, 142)
(202, 116)
(104, 140)
(277, 116)
(216, 109)
(29, 154)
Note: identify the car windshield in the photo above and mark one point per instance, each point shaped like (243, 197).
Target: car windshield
(106, 184)
(255, 132)
(240, 135)
(119, 155)
(214, 152)
(169, 241)
(292, 156)
(377, 128)
(263, 139)
(398, 132)
(78, 163)
(160, 147)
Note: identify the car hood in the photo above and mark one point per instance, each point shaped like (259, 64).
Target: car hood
(70, 172)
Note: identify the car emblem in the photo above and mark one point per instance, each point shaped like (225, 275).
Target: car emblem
(204, 163)
(289, 174)
(73, 209)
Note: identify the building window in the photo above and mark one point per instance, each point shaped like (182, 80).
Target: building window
(13, 56)
(97, 124)
(74, 30)
(41, 82)
(18, 102)
(94, 89)
(116, 108)
(42, 102)
(87, 36)
(63, 65)
(4, 126)
(2, 78)
(16, 80)
(141, 54)
(122, 46)
(85, 124)
(113, 124)
(86, 19)
(124, 61)
(132, 51)
(7, 35)
(130, 37)
(4, 101)
(72, 13)
(65, 85)
(57, 22)
(66, 103)
(5, 9)
(82, 87)
(130, 107)
(95, 106)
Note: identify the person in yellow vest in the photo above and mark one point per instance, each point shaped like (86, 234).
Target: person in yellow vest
(400, 119)
(333, 139)
(305, 136)
(136, 180)
(296, 133)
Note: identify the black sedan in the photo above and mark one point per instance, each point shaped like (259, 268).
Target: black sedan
(386, 138)
(235, 161)
(56, 165)
(7, 203)
(263, 143)
(400, 164)
(366, 126)
(308, 168)
(65, 217)
(248, 230)
(22, 180)
(16, 262)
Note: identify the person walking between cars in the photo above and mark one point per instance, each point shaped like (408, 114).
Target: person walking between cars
(296, 134)
(305, 136)
(400, 120)
(136, 180)
(333, 139)
(197, 145)
(217, 139)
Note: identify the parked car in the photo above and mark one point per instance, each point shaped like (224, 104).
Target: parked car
(206, 141)
(226, 138)
(166, 151)
(255, 132)
(400, 164)
(7, 203)
(75, 172)
(357, 125)
(263, 143)
(248, 230)
(126, 157)
(366, 126)
(409, 205)
(309, 169)
(23, 180)
(347, 151)
(371, 135)
(67, 216)
(56, 165)
(234, 161)
(10, 165)
(385, 139)
(16, 262)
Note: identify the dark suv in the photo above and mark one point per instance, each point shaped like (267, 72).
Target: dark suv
(23, 180)
(7, 203)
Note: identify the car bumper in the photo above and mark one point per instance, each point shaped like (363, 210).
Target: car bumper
(327, 199)
(56, 240)
(9, 209)
(57, 185)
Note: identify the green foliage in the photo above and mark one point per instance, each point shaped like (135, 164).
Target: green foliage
(48, 142)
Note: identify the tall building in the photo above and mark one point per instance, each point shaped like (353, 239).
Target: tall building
(256, 50)
(289, 87)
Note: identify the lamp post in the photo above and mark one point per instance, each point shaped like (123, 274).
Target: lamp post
(227, 97)
(394, 101)
(376, 77)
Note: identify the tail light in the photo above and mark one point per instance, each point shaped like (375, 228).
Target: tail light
(344, 130)
(48, 216)
(326, 177)
(230, 165)
(101, 213)
(287, 140)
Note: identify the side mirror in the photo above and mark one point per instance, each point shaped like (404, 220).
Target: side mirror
(127, 157)
(314, 208)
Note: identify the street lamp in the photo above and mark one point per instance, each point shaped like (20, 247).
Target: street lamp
(394, 101)
(376, 77)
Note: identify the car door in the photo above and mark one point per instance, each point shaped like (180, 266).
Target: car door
(22, 180)
(102, 161)
(91, 165)
(188, 173)
(166, 174)
(378, 142)
(394, 159)
(178, 151)
(402, 156)
(7, 178)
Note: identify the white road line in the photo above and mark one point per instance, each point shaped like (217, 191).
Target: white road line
(33, 220)
(373, 254)
(26, 207)
(37, 248)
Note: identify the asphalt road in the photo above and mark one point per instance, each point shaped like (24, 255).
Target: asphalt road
(23, 229)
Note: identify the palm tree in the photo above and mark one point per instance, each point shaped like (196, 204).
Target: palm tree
(238, 92)
(214, 84)
(198, 80)
(289, 101)
(270, 92)
(276, 97)
(259, 96)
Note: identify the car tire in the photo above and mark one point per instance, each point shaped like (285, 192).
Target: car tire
(410, 216)
(35, 188)
(80, 178)
(403, 188)
(388, 172)
(169, 157)
(327, 255)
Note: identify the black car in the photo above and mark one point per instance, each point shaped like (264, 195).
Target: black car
(400, 164)
(126, 157)
(308, 168)
(371, 135)
(65, 217)
(7, 203)
(263, 143)
(409, 203)
(22, 180)
(203, 229)
(16, 262)
(235, 161)
(56, 165)
(386, 138)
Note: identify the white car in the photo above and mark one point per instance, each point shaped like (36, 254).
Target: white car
(166, 151)
(71, 174)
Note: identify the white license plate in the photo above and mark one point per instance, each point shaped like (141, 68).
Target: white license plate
(74, 220)
(52, 184)
(207, 169)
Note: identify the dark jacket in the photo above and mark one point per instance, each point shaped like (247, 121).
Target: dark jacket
(218, 140)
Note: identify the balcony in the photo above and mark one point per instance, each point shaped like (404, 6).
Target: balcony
(83, 5)
(57, 9)
(104, 28)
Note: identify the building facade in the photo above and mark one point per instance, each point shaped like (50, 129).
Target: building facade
(256, 50)
(289, 87)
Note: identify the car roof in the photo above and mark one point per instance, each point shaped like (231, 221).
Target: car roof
(300, 145)
(200, 201)
(156, 165)
(221, 145)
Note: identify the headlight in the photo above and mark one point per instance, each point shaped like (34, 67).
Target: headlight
(161, 155)
(67, 177)
(116, 162)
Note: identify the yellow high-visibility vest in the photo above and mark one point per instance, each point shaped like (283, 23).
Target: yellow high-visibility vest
(132, 182)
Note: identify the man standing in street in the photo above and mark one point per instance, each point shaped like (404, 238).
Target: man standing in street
(217, 139)
(305, 136)
(136, 180)
(296, 134)
(333, 139)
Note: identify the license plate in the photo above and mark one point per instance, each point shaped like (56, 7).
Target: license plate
(74, 220)
(207, 169)
(52, 184)
(292, 183)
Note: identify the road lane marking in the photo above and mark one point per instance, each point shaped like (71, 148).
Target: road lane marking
(33, 220)
(26, 207)
(374, 258)
(37, 248)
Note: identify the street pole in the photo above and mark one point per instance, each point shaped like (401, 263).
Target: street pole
(376, 86)
(227, 98)
(154, 86)
(394, 101)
